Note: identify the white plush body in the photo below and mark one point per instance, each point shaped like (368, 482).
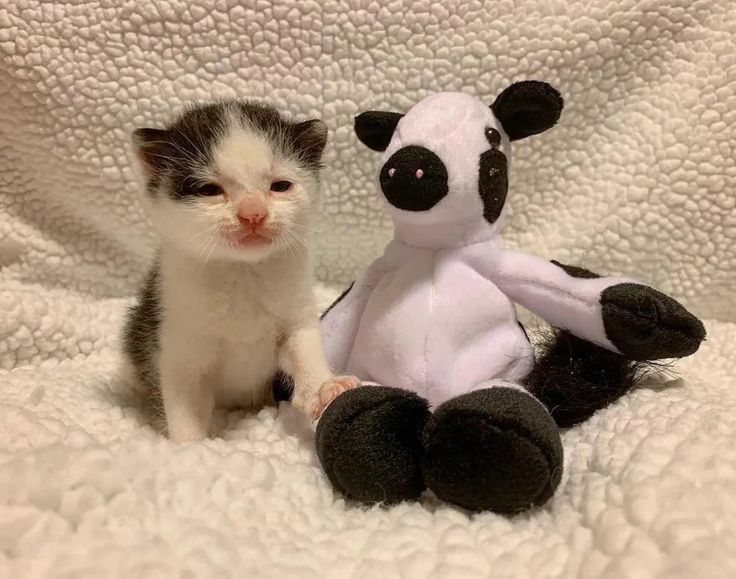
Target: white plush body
(431, 358)
(435, 314)
(442, 322)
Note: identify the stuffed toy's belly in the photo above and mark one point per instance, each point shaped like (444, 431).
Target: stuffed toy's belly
(439, 329)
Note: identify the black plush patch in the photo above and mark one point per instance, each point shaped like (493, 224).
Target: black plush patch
(575, 271)
(645, 324)
(527, 108)
(523, 329)
(414, 179)
(369, 441)
(575, 378)
(493, 183)
(375, 128)
(495, 449)
(337, 301)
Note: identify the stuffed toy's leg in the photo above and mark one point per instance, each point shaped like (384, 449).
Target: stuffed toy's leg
(496, 448)
(369, 441)
(493, 449)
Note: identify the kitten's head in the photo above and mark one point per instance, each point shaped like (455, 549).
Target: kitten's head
(232, 180)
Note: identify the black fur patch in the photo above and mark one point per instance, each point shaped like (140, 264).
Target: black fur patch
(493, 183)
(282, 387)
(574, 378)
(527, 108)
(404, 190)
(375, 128)
(337, 301)
(188, 143)
(141, 331)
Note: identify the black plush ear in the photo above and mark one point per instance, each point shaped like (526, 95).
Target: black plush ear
(151, 147)
(527, 108)
(375, 128)
(310, 140)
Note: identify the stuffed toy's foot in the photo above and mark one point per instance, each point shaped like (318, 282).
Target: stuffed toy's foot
(369, 441)
(495, 449)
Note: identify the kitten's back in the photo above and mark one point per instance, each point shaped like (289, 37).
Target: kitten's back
(141, 331)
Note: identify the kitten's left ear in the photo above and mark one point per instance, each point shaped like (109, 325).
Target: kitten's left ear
(527, 108)
(151, 147)
(310, 138)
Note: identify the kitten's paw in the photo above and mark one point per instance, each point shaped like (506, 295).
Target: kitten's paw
(329, 391)
(186, 431)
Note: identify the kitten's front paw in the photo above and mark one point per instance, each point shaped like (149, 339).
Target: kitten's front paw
(186, 433)
(329, 391)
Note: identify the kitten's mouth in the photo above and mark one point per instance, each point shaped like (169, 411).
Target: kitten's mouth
(258, 238)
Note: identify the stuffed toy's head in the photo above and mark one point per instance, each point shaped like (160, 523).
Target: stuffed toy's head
(446, 161)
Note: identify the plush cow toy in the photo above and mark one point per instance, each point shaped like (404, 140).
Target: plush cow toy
(454, 400)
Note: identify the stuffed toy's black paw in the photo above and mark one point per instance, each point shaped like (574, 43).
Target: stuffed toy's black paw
(645, 324)
(496, 449)
(369, 441)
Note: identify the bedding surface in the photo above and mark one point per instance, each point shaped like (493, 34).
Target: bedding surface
(637, 178)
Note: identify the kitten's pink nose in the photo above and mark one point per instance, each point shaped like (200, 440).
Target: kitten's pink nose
(252, 214)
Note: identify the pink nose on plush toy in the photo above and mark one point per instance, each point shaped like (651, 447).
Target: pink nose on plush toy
(419, 174)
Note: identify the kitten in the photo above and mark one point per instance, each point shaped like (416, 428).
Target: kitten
(228, 302)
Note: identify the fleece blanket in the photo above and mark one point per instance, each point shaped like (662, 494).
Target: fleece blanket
(638, 178)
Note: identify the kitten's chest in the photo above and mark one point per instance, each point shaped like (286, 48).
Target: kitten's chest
(234, 307)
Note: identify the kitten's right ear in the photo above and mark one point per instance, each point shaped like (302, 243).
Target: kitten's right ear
(150, 147)
(375, 128)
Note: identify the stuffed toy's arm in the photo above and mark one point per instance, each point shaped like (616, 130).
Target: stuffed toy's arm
(341, 320)
(616, 313)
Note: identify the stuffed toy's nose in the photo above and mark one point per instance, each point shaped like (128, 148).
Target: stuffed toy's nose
(414, 179)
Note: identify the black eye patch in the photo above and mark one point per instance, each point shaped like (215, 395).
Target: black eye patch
(493, 182)
(493, 137)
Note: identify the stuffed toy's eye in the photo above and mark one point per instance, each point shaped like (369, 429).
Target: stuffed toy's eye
(494, 137)
(281, 186)
(208, 190)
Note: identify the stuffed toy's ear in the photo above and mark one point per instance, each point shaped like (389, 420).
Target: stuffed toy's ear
(151, 146)
(375, 128)
(527, 108)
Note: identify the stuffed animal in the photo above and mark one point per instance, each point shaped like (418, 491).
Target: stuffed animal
(453, 399)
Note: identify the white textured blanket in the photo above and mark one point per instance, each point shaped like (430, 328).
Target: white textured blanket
(638, 178)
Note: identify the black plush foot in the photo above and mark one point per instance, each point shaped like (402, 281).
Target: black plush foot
(369, 441)
(495, 449)
(645, 324)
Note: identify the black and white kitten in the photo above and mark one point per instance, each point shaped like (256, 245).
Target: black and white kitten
(229, 303)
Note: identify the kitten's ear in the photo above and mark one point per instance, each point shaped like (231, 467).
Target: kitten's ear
(527, 108)
(375, 128)
(151, 147)
(310, 139)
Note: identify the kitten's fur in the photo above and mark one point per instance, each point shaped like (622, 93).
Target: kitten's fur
(228, 302)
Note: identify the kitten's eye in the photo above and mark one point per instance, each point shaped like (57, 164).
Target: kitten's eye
(208, 190)
(281, 186)
(494, 137)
